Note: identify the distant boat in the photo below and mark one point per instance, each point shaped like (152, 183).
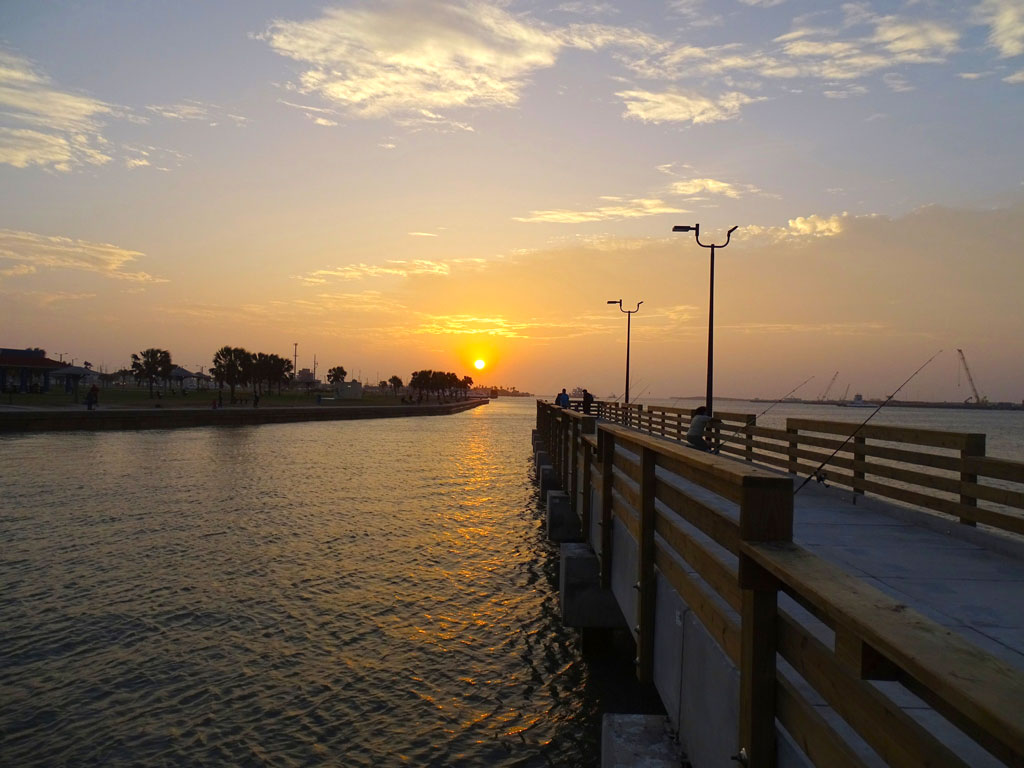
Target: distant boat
(494, 393)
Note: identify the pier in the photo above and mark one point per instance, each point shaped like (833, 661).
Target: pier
(874, 618)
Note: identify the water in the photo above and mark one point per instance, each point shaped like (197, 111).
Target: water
(348, 593)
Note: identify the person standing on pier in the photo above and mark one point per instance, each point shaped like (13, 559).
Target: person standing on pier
(699, 423)
(562, 399)
(588, 401)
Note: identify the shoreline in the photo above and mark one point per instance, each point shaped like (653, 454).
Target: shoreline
(42, 420)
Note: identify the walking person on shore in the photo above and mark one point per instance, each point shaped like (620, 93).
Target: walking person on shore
(92, 397)
(698, 424)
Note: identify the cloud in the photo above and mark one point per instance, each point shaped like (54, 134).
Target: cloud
(43, 252)
(414, 59)
(1005, 19)
(683, 107)
(44, 126)
(1016, 78)
(390, 268)
(193, 110)
(763, 3)
(700, 187)
(422, 234)
(618, 208)
(802, 227)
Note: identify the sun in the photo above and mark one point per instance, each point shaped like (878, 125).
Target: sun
(479, 365)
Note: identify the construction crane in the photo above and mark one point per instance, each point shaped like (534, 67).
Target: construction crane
(824, 395)
(970, 380)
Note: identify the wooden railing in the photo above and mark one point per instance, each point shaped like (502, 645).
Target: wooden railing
(720, 533)
(938, 471)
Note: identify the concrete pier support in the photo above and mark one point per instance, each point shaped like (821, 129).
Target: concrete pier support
(638, 740)
(563, 524)
(584, 603)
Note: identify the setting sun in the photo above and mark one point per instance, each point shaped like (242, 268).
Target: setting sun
(479, 365)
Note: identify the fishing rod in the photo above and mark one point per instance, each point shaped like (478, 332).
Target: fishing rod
(814, 475)
(753, 419)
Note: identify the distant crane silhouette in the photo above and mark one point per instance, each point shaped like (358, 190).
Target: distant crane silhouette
(824, 395)
(978, 398)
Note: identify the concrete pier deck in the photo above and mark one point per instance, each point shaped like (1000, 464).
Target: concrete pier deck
(968, 580)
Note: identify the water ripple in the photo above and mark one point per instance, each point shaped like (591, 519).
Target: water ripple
(348, 593)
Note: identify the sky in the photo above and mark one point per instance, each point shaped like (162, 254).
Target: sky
(397, 185)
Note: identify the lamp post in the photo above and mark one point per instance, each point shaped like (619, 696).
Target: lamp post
(629, 317)
(711, 301)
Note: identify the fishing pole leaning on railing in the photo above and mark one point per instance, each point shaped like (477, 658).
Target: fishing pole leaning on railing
(816, 474)
(753, 419)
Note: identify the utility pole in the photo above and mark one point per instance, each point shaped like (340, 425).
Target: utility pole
(295, 362)
(314, 367)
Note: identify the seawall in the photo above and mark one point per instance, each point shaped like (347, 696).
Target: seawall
(172, 418)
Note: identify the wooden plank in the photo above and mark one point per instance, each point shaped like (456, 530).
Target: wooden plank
(629, 491)
(977, 687)
(997, 469)
(898, 738)
(815, 737)
(757, 676)
(607, 450)
(723, 628)
(722, 529)
(645, 570)
(720, 577)
(625, 514)
(1002, 496)
(930, 437)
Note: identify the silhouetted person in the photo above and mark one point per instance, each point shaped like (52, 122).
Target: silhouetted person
(92, 397)
(588, 400)
(699, 423)
(562, 399)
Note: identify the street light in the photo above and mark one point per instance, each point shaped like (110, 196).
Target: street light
(711, 301)
(629, 317)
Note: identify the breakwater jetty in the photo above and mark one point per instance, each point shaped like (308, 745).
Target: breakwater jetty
(875, 619)
(59, 420)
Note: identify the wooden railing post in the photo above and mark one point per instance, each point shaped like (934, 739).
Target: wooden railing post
(974, 447)
(574, 466)
(645, 570)
(794, 465)
(587, 507)
(606, 447)
(748, 440)
(766, 514)
(859, 456)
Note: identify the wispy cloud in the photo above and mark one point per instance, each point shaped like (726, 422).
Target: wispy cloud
(1005, 19)
(390, 268)
(683, 106)
(191, 110)
(414, 60)
(812, 226)
(422, 234)
(43, 252)
(617, 208)
(45, 126)
(696, 188)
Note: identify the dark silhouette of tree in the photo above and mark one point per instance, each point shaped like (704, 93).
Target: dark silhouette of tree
(229, 367)
(151, 365)
(281, 371)
(336, 375)
(382, 386)
(396, 384)
(465, 385)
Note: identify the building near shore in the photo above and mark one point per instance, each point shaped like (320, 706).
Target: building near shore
(26, 370)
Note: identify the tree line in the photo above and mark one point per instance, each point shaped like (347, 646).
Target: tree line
(444, 384)
(238, 367)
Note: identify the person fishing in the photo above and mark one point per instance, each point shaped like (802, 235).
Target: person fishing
(698, 424)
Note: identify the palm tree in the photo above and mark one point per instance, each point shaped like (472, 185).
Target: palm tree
(464, 385)
(152, 364)
(228, 367)
(336, 375)
(396, 383)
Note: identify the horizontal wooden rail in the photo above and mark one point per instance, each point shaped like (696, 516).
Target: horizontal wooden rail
(904, 464)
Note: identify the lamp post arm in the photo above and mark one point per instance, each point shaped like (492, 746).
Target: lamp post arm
(728, 237)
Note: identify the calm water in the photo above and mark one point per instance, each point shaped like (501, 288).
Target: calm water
(348, 593)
